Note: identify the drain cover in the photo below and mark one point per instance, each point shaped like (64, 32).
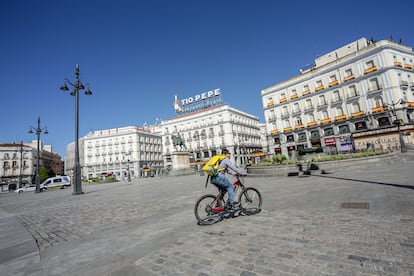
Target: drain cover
(355, 205)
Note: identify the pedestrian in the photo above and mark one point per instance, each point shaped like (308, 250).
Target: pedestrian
(221, 180)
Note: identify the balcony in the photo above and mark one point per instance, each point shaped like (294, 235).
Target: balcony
(326, 121)
(319, 88)
(298, 127)
(357, 114)
(351, 77)
(311, 124)
(287, 129)
(397, 63)
(274, 132)
(270, 104)
(283, 100)
(374, 89)
(340, 118)
(294, 96)
(308, 108)
(307, 92)
(336, 100)
(409, 66)
(378, 109)
(370, 70)
(333, 83)
(410, 104)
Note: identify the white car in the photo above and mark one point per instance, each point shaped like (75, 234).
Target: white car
(30, 188)
(57, 181)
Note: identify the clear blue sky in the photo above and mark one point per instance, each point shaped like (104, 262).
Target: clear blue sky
(137, 54)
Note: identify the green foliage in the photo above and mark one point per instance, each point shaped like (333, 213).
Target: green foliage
(43, 173)
(280, 159)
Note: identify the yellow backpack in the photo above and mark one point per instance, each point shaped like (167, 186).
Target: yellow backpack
(211, 167)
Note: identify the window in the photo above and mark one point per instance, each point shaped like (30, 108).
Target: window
(324, 115)
(383, 121)
(272, 115)
(339, 111)
(378, 102)
(343, 129)
(311, 118)
(298, 121)
(319, 83)
(277, 140)
(356, 107)
(322, 101)
(328, 131)
(289, 138)
(373, 85)
(360, 126)
(352, 91)
(285, 110)
(287, 123)
(348, 73)
(335, 96)
(301, 137)
(308, 103)
(369, 64)
(332, 78)
(315, 134)
(296, 108)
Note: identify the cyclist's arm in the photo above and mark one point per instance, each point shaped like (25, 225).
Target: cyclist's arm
(227, 163)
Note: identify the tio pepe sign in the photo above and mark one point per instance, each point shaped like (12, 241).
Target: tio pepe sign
(197, 102)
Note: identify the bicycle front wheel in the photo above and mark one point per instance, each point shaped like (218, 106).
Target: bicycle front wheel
(208, 210)
(250, 201)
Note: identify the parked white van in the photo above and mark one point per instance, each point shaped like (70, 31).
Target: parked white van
(57, 181)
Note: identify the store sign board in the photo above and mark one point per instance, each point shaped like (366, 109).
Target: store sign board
(198, 102)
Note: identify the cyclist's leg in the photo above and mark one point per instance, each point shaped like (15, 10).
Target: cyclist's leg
(222, 181)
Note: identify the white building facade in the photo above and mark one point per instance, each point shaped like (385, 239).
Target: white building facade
(207, 131)
(128, 151)
(19, 161)
(349, 100)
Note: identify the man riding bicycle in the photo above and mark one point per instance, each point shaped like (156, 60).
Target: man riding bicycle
(221, 180)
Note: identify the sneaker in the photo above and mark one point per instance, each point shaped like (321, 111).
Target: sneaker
(235, 206)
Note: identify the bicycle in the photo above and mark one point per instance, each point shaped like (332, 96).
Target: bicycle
(210, 208)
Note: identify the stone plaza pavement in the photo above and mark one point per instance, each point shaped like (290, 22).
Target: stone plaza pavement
(357, 220)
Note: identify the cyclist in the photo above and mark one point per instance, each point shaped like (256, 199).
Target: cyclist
(222, 181)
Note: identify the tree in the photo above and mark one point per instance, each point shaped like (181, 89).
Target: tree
(43, 173)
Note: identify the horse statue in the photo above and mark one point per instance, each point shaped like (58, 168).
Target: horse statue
(178, 142)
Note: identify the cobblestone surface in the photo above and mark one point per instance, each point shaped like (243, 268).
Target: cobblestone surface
(292, 243)
(147, 227)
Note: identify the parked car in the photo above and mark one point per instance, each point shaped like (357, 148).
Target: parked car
(57, 181)
(30, 188)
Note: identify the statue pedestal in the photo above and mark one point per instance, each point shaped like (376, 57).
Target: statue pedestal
(180, 163)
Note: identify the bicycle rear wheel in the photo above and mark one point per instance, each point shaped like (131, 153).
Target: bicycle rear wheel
(250, 201)
(207, 210)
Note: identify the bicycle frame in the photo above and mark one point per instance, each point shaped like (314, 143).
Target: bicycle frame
(236, 185)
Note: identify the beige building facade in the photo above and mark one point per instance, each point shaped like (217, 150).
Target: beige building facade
(350, 100)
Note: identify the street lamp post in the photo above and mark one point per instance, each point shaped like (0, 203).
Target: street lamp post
(38, 130)
(398, 123)
(77, 86)
(21, 166)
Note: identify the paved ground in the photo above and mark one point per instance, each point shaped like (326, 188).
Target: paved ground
(354, 221)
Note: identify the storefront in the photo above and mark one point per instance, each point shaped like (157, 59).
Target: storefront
(330, 145)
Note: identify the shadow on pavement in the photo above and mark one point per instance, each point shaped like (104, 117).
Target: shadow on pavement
(368, 181)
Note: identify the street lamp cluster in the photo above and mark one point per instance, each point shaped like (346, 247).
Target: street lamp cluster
(38, 130)
(397, 122)
(77, 87)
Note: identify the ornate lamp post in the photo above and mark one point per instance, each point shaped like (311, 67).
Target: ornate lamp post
(38, 131)
(77, 86)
